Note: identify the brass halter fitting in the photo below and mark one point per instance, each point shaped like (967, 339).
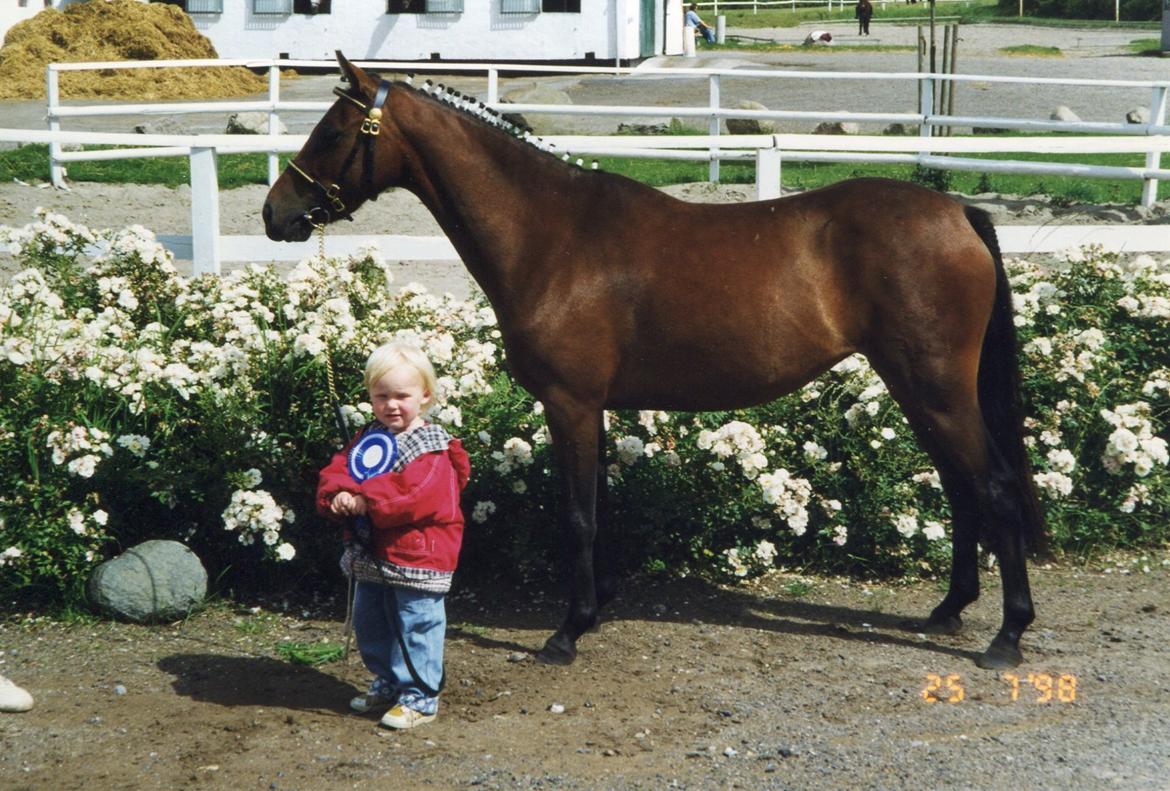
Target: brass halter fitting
(332, 194)
(373, 123)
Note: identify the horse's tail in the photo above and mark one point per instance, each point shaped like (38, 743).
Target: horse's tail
(999, 395)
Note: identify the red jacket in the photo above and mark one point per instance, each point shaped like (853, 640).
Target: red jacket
(415, 513)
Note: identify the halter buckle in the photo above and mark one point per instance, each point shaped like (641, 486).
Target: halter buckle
(373, 122)
(334, 196)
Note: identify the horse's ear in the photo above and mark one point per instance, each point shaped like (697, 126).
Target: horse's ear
(351, 73)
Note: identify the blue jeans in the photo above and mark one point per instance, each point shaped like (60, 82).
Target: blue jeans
(379, 613)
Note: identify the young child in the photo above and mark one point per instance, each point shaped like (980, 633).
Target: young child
(403, 539)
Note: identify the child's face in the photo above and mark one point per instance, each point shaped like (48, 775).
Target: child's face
(399, 397)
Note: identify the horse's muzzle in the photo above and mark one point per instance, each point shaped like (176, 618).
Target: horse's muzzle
(293, 228)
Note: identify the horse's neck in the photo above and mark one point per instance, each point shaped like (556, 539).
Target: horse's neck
(478, 184)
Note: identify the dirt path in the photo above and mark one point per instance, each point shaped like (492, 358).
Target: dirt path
(688, 686)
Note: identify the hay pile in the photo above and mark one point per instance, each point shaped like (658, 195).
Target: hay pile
(104, 30)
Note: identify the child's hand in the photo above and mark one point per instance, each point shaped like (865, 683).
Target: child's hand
(347, 504)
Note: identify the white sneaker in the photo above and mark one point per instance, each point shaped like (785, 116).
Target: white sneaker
(403, 717)
(13, 698)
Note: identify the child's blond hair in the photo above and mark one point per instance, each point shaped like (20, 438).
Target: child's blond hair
(396, 353)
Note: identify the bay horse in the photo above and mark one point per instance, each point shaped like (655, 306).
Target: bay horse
(612, 295)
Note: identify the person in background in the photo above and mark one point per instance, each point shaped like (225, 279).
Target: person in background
(864, 13)
(692, 20)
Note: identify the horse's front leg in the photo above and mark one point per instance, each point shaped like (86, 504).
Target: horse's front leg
(575, 431)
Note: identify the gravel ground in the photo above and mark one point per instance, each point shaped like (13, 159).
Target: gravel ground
(686, 685)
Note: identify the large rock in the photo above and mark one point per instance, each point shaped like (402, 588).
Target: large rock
(750, 126)
(154, 581)
(161, 126)
(1138, 115)
(837, 128)
(252, 124)
(1064, 113)
(536, 94)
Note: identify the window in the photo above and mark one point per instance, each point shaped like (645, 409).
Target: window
(424, 7)
(312, 6)
(204, 6)
(272, 7)
(519, 6)
(561, 6)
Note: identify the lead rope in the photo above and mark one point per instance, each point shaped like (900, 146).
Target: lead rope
(347, 627)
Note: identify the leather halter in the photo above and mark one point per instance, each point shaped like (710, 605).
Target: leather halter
(371, 126)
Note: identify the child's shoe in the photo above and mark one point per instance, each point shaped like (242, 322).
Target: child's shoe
(379, 694)
(402, 718)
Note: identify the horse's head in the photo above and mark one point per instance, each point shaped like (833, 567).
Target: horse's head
(351, 156)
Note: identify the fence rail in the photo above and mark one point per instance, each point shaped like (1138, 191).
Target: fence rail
(925, 118)
(768, 151)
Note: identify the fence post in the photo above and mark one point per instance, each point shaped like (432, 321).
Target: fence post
(53, 93)
(713, 126)
(204, 212)
(1154, 158)
(768, 173)
(493, 87)
(925, 104)
(273, 121)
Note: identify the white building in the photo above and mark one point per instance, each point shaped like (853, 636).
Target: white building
(486, 30)
(477, 30)
(13, 11)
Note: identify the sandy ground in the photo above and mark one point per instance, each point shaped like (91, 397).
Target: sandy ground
(685, 686)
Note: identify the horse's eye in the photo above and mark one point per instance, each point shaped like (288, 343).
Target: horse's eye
(329, 135)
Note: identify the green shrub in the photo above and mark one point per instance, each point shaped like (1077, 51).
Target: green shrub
(136, 404)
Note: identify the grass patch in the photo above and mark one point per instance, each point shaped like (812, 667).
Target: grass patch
(31, 163)
(310, 653)
(811, 175)
(464, 627)
(1031, 51)
(1146, 47)
(798, 588)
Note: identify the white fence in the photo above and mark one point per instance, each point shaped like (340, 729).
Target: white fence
(924, 118)
(208, 249)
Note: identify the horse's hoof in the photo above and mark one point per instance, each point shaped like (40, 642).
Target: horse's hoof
(1000, 657)
(555, 652)
(949, 624)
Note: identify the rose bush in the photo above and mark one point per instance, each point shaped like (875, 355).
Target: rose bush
(138, 404)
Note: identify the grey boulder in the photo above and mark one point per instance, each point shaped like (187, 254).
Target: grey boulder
(153, 581)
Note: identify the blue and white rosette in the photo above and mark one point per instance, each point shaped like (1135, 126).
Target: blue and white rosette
(373, 454)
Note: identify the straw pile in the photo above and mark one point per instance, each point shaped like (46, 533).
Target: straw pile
(108, 30)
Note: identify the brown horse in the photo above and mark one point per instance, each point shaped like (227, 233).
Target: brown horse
(610, 294)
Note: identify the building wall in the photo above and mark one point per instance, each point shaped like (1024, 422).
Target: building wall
(604, 29)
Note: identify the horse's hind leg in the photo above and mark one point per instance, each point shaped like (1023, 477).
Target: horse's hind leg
(605, 572)
(941, 404)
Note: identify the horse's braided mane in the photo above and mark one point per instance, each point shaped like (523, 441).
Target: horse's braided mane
(476, 110)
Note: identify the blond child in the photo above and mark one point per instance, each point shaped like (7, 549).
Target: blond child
(398, 484)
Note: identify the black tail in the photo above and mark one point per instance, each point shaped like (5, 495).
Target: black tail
(999, 391)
